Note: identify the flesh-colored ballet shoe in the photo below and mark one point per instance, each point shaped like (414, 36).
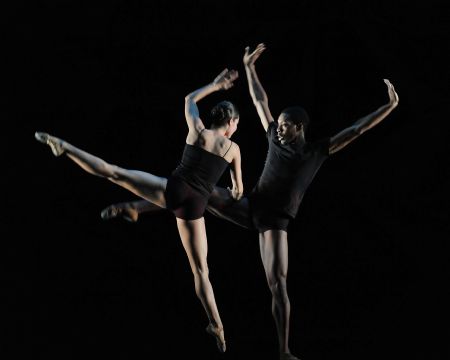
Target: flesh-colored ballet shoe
(54, 143)
(288, 356)
(114, 211)
(211, 330)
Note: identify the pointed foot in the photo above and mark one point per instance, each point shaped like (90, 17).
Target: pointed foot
(219, 335)
(55, 144)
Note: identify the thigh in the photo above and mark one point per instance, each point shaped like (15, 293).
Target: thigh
(222, 205)
(148, 186)
(264, 220)
(273, 246)
(193, 237)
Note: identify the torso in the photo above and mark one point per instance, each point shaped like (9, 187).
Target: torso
(287, 173)
(205, 158)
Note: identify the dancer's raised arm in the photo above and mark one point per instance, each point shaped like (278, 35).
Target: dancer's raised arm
(223, 81)
(365, 123)
(257, 92)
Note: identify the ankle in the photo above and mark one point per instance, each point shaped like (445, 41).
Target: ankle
(216, 327)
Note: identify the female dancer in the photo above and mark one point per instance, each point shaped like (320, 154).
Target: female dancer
(206, 155)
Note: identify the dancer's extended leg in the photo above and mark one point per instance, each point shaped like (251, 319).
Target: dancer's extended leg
(145, 185)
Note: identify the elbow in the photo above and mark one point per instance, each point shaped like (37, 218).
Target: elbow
(188, 98)
(258, 101)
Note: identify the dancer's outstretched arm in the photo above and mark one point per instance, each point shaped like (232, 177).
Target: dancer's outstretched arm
(367, 122)
(257, 92)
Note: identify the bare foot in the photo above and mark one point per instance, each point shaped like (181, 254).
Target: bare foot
(219, 335)
(55, 144)
(123, 209)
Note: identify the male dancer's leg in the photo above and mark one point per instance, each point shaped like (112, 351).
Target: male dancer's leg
(273, 246)
(220, 204)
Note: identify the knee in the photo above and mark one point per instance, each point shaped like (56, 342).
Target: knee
(201, 271)
(114, 172)
(277, 284)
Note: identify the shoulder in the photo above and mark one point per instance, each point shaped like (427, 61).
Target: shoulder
(272, 126)
(232, 147)
(271, 129)
(199, 136)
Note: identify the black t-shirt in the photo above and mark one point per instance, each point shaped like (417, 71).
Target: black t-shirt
(287, 173)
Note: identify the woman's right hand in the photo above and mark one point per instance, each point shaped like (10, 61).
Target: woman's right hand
(225, 79)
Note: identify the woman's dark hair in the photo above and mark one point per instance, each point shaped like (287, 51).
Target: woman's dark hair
(222, 113)
(297, 115)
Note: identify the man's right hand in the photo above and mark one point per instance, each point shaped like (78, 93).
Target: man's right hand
(250, 58)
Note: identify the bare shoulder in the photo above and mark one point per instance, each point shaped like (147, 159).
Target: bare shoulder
(199, 138)
(232, 151)
(235, 147)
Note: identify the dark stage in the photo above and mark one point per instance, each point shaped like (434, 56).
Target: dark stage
(368, 259)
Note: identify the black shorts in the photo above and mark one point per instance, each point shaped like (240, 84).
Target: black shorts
(264, 218)
(183, 200)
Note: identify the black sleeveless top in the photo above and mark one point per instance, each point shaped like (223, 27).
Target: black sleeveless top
(200, 168)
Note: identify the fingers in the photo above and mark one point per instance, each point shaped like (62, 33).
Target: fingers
(228, 75)
(232, 75)
(392, 94)
(234, 194)
(389, 84)
(258, 50)
(222, 74)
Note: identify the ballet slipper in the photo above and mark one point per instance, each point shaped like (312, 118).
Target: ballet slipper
(216, 332)
(114, 211)
(288, 356)
(54, 143)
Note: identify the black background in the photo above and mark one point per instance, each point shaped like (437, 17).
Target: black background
(368, 254)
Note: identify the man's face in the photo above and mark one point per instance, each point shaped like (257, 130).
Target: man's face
(287, 131)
